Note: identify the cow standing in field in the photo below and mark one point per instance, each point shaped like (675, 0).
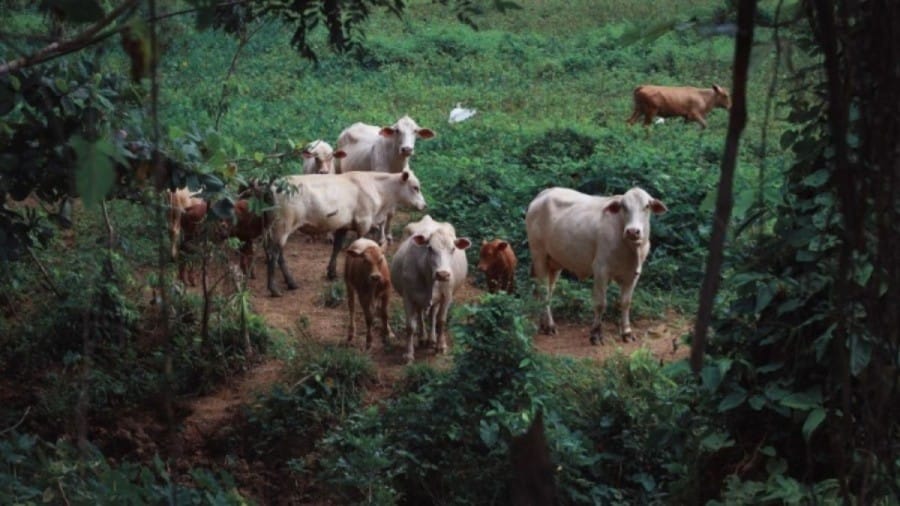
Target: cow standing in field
(604, 237)
(319, 156)
(247, 227)
(692, 104)
(428, 268)
(380, 149)
(320, 203)
(185, 216)
(367, 278)
(498, 263)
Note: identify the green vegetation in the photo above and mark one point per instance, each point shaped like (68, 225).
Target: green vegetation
(796, 402)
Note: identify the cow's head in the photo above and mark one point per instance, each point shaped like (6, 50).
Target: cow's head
(490, 253)
(636, 206)
(369, 252)
(323, 156)
(410, 193)
(404, 133)
(723, 99)
(438, 246)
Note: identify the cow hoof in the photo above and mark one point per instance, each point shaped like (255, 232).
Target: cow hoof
(628, 336)
(274, 293)
(596, 338)
(408, 358)
(331, 275)
(548, 330)
(441, 350)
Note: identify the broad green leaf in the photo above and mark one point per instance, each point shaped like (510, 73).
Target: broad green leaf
(810, 399)
(860, 354)
(94, 175)
(710, 377)
(732, 400)
(258, 157)
(813, 420)
(716, 441)
(756, 402)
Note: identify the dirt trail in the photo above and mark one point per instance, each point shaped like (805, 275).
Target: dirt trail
(303, 315)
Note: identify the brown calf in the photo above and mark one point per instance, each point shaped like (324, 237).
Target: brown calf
(185, 216)
(367, 276)
(247, 227)
(498, 263)
(692, 104)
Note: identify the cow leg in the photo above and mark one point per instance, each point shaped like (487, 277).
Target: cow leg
(600, 282)
(246, 252)
(634, 116)
(625, 308)
(698, 118)
(288, 279)
(366, 302)
(351, 331)
(546, 279)
(335, 249)
(425, 326)
(272, 254)
(383, 313)
(441, 324)
(386, 233)
(412, 318)
(275, 254)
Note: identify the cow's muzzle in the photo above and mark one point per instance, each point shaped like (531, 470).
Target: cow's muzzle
(442, 275)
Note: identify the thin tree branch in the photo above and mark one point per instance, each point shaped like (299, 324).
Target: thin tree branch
(22, 419)
(244, 40)
(724, 199)
(89, 37)
(82, 40)
(44, 272)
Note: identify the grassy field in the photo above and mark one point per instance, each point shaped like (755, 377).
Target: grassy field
(552, 83)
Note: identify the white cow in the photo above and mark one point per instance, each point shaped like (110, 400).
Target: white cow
(320, 203)
(429, 267)
(319, 156)
(380, 149)
(604, 237)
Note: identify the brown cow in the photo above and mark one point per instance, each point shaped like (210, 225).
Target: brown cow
(498, 263)
(692, 104)
(366, 276)
(186, 214)
(247, 227)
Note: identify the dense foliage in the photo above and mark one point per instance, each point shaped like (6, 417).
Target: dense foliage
(797, 400)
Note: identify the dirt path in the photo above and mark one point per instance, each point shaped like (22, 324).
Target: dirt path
(303, 315)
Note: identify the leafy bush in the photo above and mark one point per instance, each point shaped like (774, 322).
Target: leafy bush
(324, 386)
(616, 433)
(33, 471)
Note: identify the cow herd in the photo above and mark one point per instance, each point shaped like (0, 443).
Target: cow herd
(360, 184)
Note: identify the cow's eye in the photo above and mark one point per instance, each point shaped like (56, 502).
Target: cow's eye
(415, 189)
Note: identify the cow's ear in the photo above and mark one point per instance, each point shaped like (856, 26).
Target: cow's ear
(483, 242)
(657, 206)
(405, 176)
(425, 133)
(387, 131)
(352, 252)
(717, 89)
(340, 153)
(502, 246)
(420, 240)
(306, 154)
(463, 243)
(613, 207)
